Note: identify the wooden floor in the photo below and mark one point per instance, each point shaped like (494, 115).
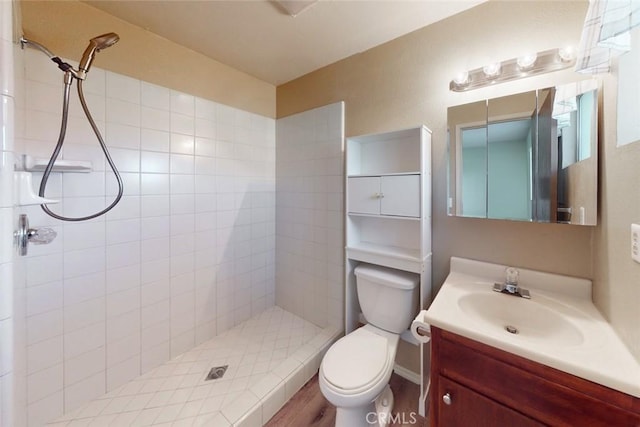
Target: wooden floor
(309, 408)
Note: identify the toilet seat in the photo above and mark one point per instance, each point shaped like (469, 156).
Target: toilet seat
(357, 361)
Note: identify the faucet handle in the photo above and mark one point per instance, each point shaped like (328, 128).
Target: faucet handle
(512, 276)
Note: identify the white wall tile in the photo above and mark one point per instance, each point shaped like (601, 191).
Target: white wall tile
(130, 183)
(123, 254)
(182, 124)
(6, 179)
(44, 326)
(182, 163)
(156, 291)
(46, 409)
(6, 291)
(152, 118)
(83, 262)
(84, 366)
(84, 314)
(120, 303)
(6, 351)
(154, 162)
(155, 205)
(156, 96)
(182, 103)
(122, 87)
(82, 340)
(6, 241)
(124, 113)
(122, 135)
(84, 391)
(123, 372)
(155, 140)
(44, 383)
(126, 160)
(43, 298)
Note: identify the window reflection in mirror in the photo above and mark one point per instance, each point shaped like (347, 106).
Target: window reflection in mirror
(528, 157)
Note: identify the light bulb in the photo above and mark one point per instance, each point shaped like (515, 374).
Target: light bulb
(462, 78)
(567, 53)
(525, 62)
(492, 70)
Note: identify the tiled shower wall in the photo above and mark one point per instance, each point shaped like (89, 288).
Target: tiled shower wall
(188, 252)
(7, 371)
(309, 215)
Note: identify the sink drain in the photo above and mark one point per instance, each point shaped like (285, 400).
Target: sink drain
(511, 329)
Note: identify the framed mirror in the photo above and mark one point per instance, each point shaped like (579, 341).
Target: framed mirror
(531, 156)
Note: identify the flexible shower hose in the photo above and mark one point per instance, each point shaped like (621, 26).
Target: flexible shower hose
(56, 152)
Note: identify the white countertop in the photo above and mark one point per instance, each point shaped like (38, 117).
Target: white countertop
(597, 354)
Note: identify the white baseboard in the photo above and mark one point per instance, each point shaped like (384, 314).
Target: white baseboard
(407, 374)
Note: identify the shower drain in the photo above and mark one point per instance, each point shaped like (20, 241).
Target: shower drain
(216, 373)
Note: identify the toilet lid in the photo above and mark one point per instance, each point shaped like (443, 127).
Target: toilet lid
(355, 360)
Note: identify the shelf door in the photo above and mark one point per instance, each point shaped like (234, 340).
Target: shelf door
(364, 195)
(401, 195)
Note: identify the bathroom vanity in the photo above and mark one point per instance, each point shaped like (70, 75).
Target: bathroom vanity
(502, 360)
(475, 385)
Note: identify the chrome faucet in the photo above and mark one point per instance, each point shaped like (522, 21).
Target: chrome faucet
(510, 285)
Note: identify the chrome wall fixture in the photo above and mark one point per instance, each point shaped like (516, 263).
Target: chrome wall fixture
(517, 68)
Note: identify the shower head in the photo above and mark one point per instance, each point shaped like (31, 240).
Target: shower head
(96, 44)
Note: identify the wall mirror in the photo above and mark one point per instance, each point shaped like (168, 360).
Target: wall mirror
(526, 157)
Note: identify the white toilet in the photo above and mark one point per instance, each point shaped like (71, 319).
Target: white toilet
(355, 371)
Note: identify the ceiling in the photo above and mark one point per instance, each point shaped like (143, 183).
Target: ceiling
(260, 38)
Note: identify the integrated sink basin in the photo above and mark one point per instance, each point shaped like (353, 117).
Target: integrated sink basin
(523, 319)
(559, 326)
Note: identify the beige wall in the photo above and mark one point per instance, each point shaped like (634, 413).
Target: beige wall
(65, 28)
(405, 82)
(616, 276)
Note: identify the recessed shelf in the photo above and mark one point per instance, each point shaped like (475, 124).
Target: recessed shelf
(32, 164)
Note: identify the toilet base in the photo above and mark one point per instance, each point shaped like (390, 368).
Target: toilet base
(374, 414)
(384, 406)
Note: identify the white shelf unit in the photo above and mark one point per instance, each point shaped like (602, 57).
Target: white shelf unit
(388, 208)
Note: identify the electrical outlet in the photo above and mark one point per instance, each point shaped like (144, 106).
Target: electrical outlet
(635, 242)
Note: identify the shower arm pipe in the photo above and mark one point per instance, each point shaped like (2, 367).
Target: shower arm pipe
(64, 66)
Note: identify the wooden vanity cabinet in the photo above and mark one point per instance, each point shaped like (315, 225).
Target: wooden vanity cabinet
(475, 385)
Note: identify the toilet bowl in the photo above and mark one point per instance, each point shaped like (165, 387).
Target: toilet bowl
(355, 372)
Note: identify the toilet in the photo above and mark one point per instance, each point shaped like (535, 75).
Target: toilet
(354, 373)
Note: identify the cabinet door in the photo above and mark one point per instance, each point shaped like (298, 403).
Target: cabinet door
(364, 195)
(463, 407)
(400, 195)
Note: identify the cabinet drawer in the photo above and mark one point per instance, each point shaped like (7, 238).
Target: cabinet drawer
(550, 402)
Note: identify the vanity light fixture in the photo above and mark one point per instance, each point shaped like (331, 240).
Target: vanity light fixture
(516, 68)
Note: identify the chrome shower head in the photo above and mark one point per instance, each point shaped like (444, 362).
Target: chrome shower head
(96, 44)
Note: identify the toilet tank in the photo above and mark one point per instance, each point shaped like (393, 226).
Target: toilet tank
(388, 297)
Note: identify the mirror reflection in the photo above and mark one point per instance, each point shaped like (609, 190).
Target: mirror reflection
(528, 157)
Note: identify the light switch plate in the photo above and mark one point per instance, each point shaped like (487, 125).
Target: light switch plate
(635, 242)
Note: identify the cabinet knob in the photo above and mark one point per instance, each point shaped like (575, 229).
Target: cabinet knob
(447, 399)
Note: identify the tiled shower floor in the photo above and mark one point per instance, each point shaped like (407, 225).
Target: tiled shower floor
(270, 357)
